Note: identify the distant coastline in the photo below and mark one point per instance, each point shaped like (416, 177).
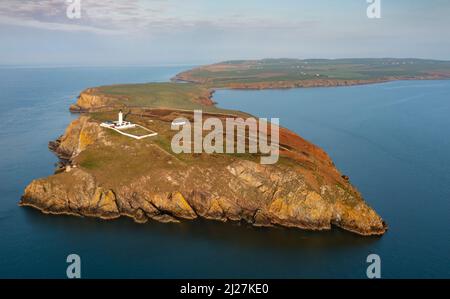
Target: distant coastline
(296, 73)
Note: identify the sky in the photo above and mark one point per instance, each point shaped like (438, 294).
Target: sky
(175, 32)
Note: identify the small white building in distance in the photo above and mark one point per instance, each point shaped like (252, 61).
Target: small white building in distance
(119, 124)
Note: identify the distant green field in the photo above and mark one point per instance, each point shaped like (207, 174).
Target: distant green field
(272, 70)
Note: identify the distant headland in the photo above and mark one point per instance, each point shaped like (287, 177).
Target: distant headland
(291, 73)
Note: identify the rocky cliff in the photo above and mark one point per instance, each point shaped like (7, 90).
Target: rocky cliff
(107, 175)
(91, 99)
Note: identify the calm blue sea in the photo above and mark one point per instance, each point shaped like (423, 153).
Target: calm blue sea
(392, 140)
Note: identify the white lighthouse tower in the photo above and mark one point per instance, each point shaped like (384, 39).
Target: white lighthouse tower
(120, 121)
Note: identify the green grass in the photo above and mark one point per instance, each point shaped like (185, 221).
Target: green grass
(137, 131)
(180, 96)
(269, 70)
(158, 95)
(91, 160)
(90, 164)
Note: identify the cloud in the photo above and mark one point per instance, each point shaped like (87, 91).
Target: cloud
(125, 17)
(97, 16)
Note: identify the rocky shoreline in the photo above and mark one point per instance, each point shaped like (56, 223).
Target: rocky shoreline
(238, 190)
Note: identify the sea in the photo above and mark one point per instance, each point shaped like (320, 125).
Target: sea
(392, 140)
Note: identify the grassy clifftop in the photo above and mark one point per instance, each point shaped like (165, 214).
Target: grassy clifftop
(186, 96)
(160, 95)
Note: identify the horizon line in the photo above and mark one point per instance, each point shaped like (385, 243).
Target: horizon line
(57, 65)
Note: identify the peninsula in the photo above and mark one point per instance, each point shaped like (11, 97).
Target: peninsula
(291, 73)
(107, 175)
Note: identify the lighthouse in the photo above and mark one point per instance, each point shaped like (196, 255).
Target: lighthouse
(120, 121)
(121, 126)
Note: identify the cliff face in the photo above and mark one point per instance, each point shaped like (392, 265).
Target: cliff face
(308, 192)
(91, 99)
(79, 134)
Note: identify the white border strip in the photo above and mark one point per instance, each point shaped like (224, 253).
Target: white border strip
(135, 136)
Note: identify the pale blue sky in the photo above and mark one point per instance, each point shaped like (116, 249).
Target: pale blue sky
(160, 32)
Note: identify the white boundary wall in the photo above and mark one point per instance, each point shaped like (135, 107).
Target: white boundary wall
(134, 136)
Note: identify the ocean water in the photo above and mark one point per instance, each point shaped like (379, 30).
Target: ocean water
(392, 140)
